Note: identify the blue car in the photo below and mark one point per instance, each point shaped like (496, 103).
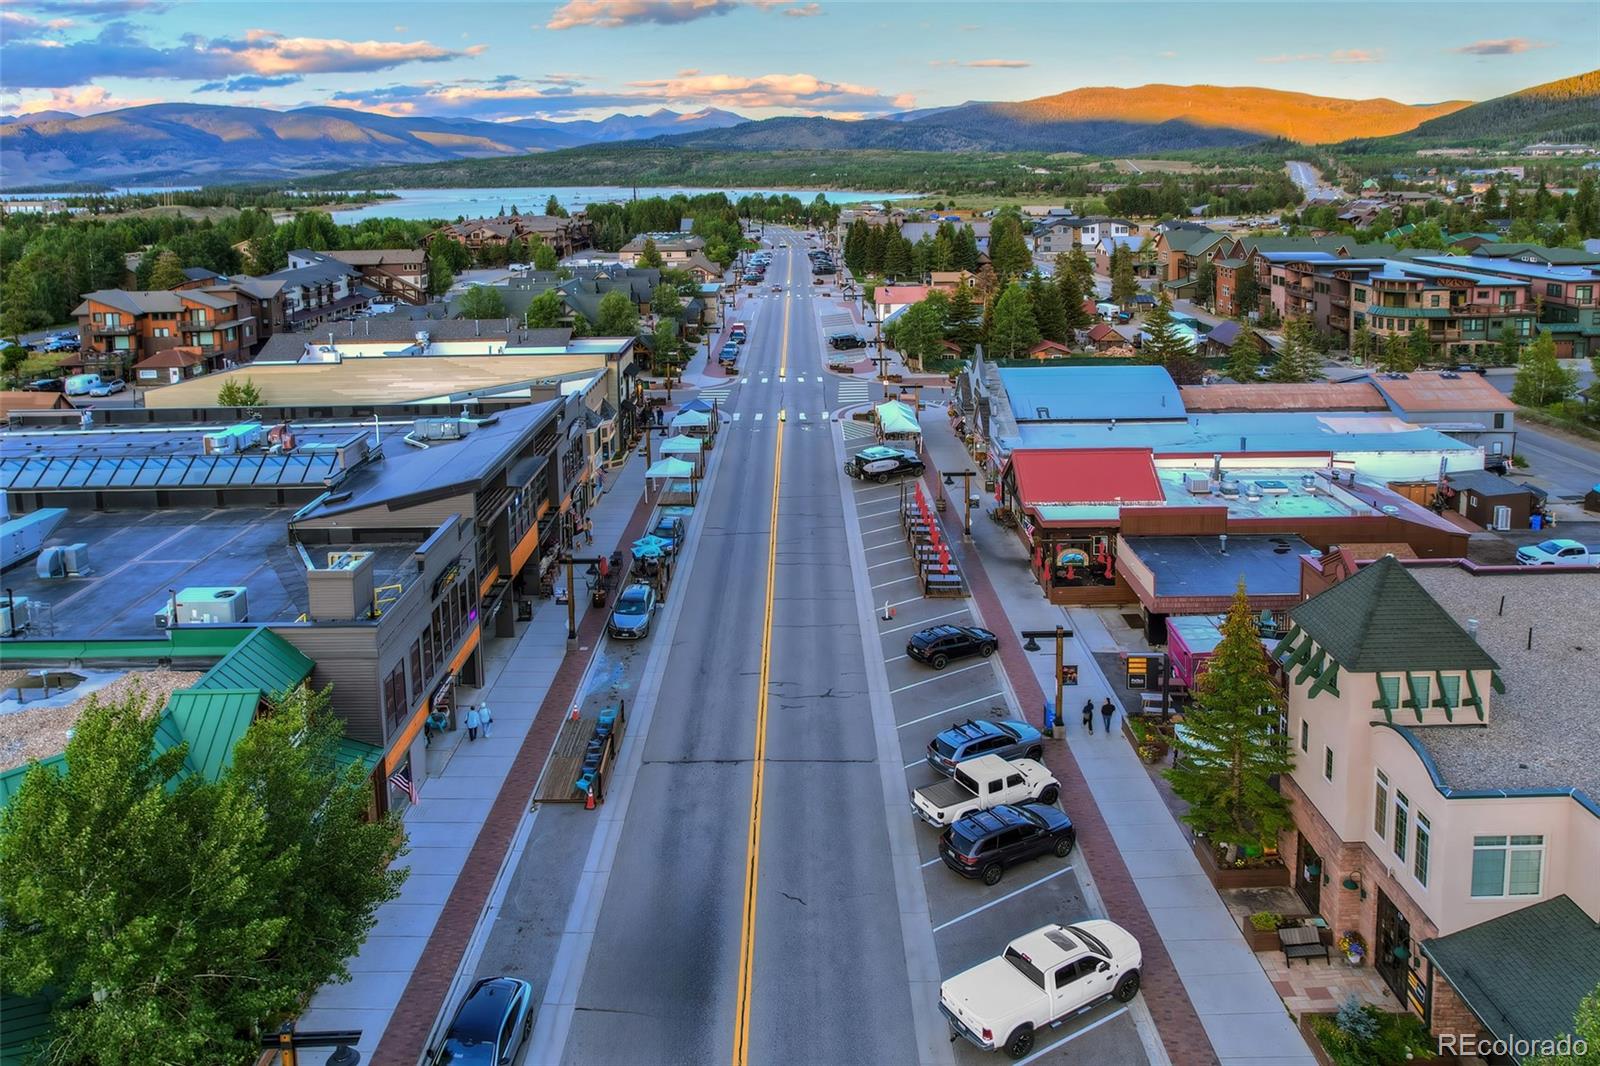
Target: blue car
(975, 737)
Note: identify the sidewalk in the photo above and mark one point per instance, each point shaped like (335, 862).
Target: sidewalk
(411, 954)
(1202, 983)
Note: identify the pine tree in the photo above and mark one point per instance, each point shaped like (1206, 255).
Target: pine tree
(1164, 346)
(1509, 348)
(1071, 299)
(1247, 293)
(1244, 357)
(1008, 249)
(1395, 355)
(1048, 311)
(966, 243)
(649, 255)
(1082, 268)
(1417, 342)
(553, 208)
(961, 320)
(1363, 344)
(1230, 752)
(898, 258)
(1124, 286)
(1014, 330)
(1205, 283)
(1541, 379)
(167, 272)
(1298, 362)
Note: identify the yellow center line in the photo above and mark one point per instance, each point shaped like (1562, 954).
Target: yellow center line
(747, 938)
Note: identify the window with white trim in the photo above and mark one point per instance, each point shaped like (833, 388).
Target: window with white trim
(1380, 805)
(1305, 734)
(1419, 850)
(1402, 819)
(1327, 763)
(1507, 866)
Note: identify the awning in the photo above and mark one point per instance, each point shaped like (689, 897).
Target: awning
(896, 417)
(670, 468)
(682, 446)
(697, 404)
(691, 420)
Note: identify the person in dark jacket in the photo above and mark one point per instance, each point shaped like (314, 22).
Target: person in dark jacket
(1106, 711)
(1088, 715)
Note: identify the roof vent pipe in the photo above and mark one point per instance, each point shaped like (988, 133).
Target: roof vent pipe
(1472, 628)
(1222, 543)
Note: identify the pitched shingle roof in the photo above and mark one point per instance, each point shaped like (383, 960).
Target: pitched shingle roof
(1523, 973)
(1382, 619)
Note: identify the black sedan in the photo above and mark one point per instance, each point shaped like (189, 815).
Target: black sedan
(937, 645)
(490, 1026)
(984, 843)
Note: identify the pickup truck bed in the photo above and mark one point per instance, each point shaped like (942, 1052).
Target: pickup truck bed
(945, 793)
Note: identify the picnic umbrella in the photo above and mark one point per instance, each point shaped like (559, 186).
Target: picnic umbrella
(649, 546)
(670, 467)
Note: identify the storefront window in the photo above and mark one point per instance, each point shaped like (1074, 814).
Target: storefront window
(1079, 562)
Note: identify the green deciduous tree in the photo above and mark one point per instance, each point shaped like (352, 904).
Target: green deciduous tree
(919, 332)
(165, 911)
(649, 255)
(1230, 751)
(664, 302)
(1013, 329)
(545, 310)
(616, 316)
(1124, 286)
(668, 345)
(1585, 1030)
(167, 272)
(1541, 379)
(12, 356)
(239, 392)
(544, 256)
(481, 301)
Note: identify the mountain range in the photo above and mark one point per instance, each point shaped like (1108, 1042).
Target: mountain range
(187, 144)
(192, 143)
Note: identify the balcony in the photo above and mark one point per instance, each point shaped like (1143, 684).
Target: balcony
(190, 326)
(1338, 301)
(105, 329)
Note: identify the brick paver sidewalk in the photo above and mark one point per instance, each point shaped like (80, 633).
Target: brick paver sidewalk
(406, 1037)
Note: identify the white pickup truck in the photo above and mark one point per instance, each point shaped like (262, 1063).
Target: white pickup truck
(1043, 979)
(981, 783)
(1557, 552)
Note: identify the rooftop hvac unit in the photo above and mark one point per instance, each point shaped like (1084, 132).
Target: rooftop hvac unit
(1228, 487)
(16, 612)
(63, 560)
(1197, 484)
(1271, 488)
(436, 429)
(207, 604)
(234, 439)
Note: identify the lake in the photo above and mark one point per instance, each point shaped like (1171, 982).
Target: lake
(476, 203)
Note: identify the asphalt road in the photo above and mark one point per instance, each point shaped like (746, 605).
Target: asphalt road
(1311, 183)
(1560, 465)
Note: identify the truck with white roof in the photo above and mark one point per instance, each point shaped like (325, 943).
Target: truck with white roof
(981, 783)
(1041, 981)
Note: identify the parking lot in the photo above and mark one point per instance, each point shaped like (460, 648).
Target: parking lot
(971, 921)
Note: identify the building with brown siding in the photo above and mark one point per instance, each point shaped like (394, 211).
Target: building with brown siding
(119, 328)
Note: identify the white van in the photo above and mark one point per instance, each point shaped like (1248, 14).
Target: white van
(80, 384)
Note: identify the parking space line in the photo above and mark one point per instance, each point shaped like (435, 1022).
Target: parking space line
(909, 765)
(938, 676)
(931, 861)
(1091, 1027)
(879, 514)
(863, 498)
(895, 543)
(919, 625)
(894, 581)
(1002, 899)
(880, 529)
(896, 659)
(947, 710)
(891, 562)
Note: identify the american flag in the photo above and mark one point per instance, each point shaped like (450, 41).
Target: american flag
(402, 780)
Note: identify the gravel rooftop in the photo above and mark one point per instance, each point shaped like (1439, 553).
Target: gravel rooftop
(39, 732)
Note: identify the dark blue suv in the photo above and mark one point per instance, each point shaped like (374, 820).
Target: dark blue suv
(975, 737)
(982, 844)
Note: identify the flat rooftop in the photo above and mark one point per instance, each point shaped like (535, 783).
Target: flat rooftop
(1263, 492)
(1543, 731)
(1245, 434)
(1205, 566)
(137, 556)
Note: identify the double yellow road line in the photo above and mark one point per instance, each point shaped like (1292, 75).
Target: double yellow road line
(752, 867)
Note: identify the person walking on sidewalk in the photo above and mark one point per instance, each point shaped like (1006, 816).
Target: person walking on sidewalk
(1088, 715)
(1106, 711)
(588, 531)
(486, 720)
(473, 722)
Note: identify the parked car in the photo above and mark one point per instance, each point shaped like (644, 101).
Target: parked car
(669, 528)
(491, 1025)
(984, 844)
(981, 783)
(777, 288)
(108, 388)
(729, 355)
(1557, 551)
(80, 384)
(1043, 978)
(630, 618)
(44, 385)
(1008, 739)
(844, 342)
(881, 462)
(937, 645)
(62, 344)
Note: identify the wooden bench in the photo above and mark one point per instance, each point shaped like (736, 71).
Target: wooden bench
(1302, 942)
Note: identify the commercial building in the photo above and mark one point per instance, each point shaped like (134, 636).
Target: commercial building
(320, 290)
(396, 273)
(1567, 295)
(1444, 788)
(1465, 406)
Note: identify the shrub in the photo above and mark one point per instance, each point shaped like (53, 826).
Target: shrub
(1267, 921)
(1366, 1036)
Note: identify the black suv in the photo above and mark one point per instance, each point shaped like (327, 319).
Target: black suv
(984, 843)
(845, 341)
(881, 462)
(981, 736)
(937, 645)
(490, 1026)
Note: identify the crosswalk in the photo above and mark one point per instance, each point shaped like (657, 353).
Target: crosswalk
(854, 430)
(716, 392)
(854, 391)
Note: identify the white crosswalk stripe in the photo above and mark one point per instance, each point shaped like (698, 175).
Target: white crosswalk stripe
(854, 430)
(716, 392)
(854, 391)
(736, 416)
(758, 416)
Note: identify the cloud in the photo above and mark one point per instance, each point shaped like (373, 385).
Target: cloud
(1341, 55)
(804, 92)
(98, 10)
(611, 14)
(1502, 46)
(247, 83)
(87, 100)
(998, 64)
(120, 51)
(1169, 55)
(18, 26)
(803, 11)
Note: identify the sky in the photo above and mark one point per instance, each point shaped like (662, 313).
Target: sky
(502, 61)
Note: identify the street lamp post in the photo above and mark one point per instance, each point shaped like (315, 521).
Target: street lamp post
(1060, 635)
(966, 477)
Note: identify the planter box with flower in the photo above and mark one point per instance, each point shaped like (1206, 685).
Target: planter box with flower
(1261, 930)
(1353, 947)
(1366, 1036)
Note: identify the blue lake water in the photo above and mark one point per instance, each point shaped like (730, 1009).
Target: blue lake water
(475, 203)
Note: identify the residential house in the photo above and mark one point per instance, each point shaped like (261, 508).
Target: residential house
(1443, 784)
(1178, 252)
(13, 400)
(397, 273)
(1057, 234)
(319, 291)
(1465, 406)
(916, 231)
(120, 328)
(1139, 247)
(565, 235)
(1566, 292)
(1104, 337)
(674, 248)
(888, 299)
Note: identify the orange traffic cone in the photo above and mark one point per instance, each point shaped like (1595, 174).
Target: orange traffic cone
(573, 717)
(588, 798)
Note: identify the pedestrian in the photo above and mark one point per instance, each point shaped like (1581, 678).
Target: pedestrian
(1088, 715)
(486, 720)
(588, 531)
(473, 722)
(1106, 711)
